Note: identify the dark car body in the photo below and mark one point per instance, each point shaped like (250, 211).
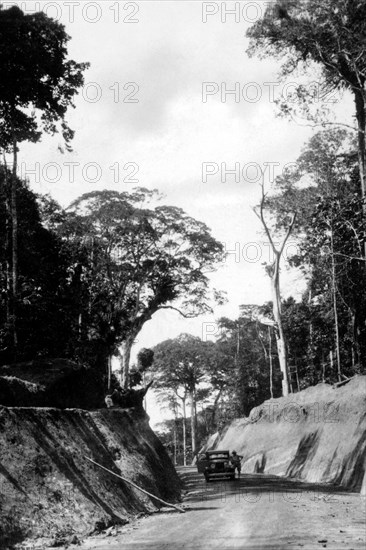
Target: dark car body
(215, 465)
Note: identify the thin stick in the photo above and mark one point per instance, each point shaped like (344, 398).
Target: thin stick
(136, 486)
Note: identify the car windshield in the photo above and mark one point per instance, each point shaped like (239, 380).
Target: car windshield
(219, 455)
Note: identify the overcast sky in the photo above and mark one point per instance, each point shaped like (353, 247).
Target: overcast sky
(143, 116)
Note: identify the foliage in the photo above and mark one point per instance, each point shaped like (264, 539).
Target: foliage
(145, 359)
(138, 259)
(331, 239)
(329, 33)
(182, 361)
(180, 366)
(37, 86)
(226, 378)
(44, 307)
(37, 82)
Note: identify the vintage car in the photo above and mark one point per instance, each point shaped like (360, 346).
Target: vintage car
(215, 465)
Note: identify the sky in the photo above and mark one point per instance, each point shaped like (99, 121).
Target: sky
(172, 101)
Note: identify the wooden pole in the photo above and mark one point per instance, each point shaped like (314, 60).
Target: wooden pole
(136, 486)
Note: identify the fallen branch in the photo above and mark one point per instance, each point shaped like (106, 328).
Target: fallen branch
(136, 486)
(343, 382)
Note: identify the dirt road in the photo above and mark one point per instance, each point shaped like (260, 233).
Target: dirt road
(257, 512)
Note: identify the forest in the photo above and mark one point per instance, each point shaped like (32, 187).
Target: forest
(81, 282)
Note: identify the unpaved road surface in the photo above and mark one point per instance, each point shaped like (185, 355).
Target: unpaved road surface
(257, 512)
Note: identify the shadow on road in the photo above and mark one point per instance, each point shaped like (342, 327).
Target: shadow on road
(251, 486)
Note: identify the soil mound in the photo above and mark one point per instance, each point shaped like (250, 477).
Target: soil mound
(316, 435)
(50, 383)
(48, 487)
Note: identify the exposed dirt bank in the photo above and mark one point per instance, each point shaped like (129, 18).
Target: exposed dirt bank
(47, 487)
(317, 435)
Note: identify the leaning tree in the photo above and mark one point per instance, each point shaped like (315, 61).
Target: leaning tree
(143, 257)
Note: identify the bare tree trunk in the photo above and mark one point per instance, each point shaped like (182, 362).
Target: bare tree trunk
(193, 422)
(360, 102)
(175, 442)
(279, 333)
(184, 432)
(355, 340)
(109, 367)
(270, 362)
(215, 407)
(125, 360)
(335, 309)
(311, 337)
(361, 126)
(274, 274)
(7, 240)
(144, 385)
(331, 361)
(297, 375)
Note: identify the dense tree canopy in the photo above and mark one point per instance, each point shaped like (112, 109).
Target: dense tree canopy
(38, 82)
(331, 34)
(139, 259)
(181, 365)
(44, 304)
(37, 86)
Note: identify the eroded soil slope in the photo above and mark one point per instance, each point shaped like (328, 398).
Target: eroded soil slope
(316, 435)
(47, 486)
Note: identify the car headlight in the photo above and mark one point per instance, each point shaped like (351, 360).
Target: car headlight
(212, 466)
(226, 464)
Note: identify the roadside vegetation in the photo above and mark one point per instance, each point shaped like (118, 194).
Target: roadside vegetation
(81, 282)
(285, 346)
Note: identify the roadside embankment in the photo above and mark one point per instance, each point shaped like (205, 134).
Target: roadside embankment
(48, 488)
(316, 435)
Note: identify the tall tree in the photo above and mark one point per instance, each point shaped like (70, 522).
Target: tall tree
(143, 259)
(182, 364)
(37, 86)
(172, 397)
(246, 372)
(330, 33)
(330, 235)
(273, 271)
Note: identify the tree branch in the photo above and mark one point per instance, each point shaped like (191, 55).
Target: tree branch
(261, 217)
(185, 315)
(288, 233)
